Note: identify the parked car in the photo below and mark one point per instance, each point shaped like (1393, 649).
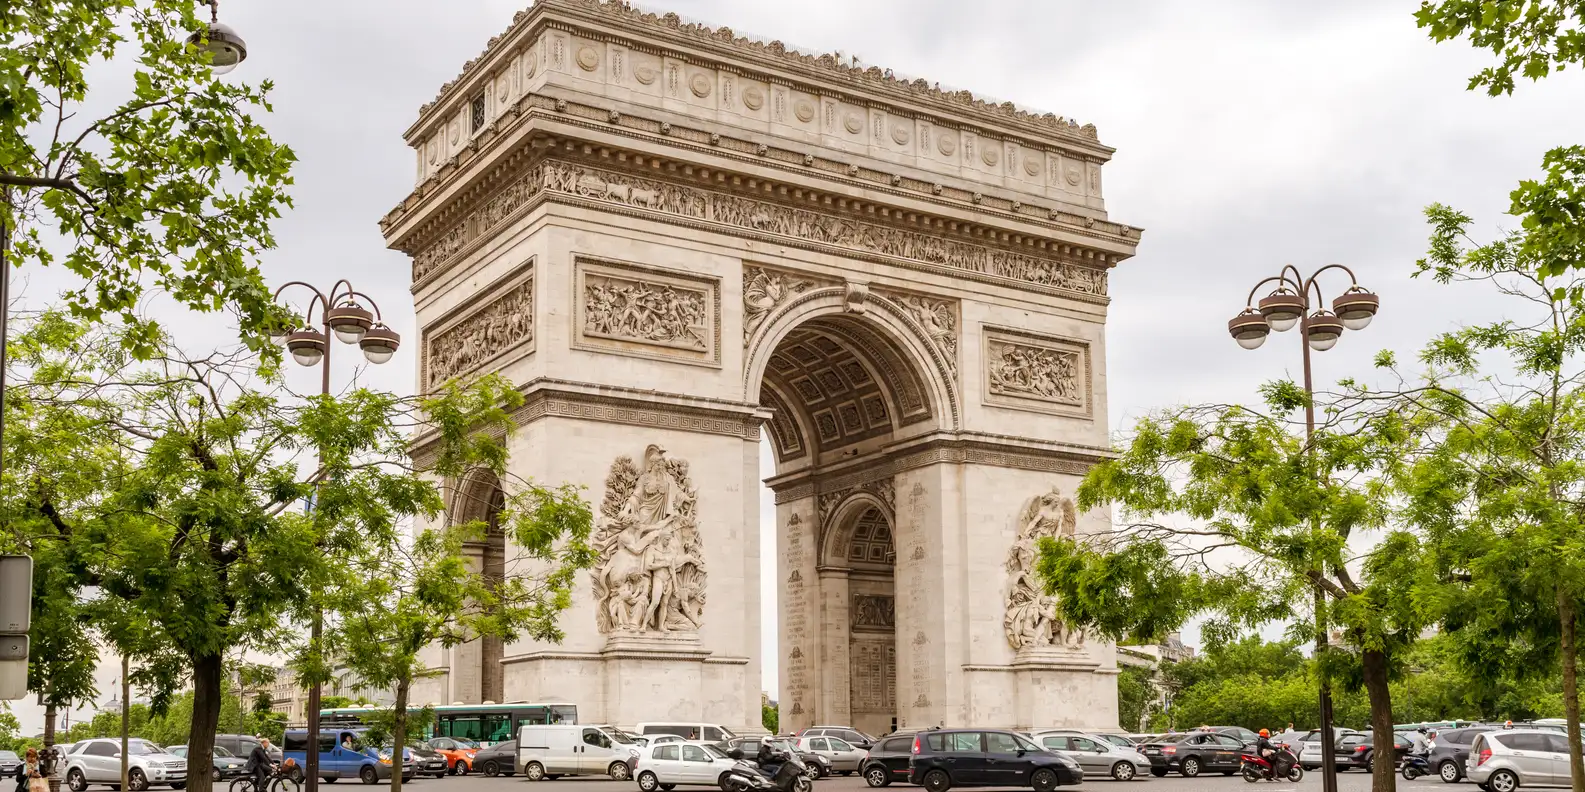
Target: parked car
(819, 766)
(847, 734)
(498, 759)
(1119, 740)
(426, 760)
(459, 753)
(1095, 755)
(1310, 750)
(222, 764)
(99, 762)
(1193, 753)
(10, 764)
(887, 760)
(242, 745)
(1359, 751)
(1504, 760)
(845, 757)
(1243, 735)
(343, 754)
(1450, 749)
(945, 758)
(560, 749)
(1292, 740)
(708, 732)
(668, 765)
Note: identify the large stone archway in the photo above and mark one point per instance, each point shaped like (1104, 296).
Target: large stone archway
(675, 240)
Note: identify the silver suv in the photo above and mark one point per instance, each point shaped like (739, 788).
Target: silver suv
(99, 762)
(1505, 760)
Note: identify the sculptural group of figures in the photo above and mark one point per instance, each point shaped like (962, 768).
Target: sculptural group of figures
(630, 309)
(651, 576)
(1034, 371)
(1031, 619)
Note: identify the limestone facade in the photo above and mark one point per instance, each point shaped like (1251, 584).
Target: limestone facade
(675, 240)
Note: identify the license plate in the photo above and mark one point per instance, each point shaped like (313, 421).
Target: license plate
(1152, 751)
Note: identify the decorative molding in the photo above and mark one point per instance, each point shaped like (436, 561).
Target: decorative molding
(643, 311)
(493, 323)
(651, 575)
(1030, 621)
(1040, 373)
(765, 290)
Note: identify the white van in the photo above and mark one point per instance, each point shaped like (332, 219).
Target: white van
(560, 750)
(708, 732)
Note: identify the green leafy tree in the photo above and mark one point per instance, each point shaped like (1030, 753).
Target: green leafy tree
(10, 728)
(175, 187)
(1531, 38)
(396, 602)
(1229, 513)
(770, 718)
(1136, 695)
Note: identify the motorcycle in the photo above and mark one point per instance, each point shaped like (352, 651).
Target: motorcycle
(1415, 766)
(1256, 768)
(791, 775)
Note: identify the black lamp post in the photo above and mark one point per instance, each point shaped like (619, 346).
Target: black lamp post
(1288, 305)
(340, 315)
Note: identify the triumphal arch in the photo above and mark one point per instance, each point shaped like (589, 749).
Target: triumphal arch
(677, 241)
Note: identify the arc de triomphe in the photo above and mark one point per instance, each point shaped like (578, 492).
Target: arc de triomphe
(674, 239)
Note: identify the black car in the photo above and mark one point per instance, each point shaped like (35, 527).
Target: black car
(888, 760)
(428, 761)
(945, 758)
(1359, 751)
(498, 759)
(1243, 735)
(1193, 753)
(819, 766)
(10, 763)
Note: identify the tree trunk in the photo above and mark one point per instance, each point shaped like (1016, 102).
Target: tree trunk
(49, 725)
(126, 707)
(1570, 651)
(207, 696)
(1384, 774)
(399, 733)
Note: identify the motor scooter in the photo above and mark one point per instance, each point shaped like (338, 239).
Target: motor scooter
(1414, 766)
(1255, 767)
(790, 775)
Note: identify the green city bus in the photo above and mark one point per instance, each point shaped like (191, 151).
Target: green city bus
(485, 724)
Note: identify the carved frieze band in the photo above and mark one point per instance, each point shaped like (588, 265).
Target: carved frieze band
(648, 312)
(498, 321)
(940, 452)
(1027, 371)
(786, 225)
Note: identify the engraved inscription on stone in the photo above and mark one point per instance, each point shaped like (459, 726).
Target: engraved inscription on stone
(795, 617)
(1031, 616)
(486, 334)
(1036, 373)
(873, 668)
(651, 574)
(648, 312)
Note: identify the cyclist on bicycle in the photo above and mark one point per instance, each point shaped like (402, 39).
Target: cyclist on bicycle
(260, 765)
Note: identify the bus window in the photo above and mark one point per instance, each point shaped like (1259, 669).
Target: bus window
(535, 716)
(564, 713)
(468, 727)
(497, 728)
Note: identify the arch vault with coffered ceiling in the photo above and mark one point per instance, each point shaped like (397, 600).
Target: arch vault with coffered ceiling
(679, 242)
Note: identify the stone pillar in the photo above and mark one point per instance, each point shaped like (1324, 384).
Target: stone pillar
(798, 585)
(930, 578)
(836, 639)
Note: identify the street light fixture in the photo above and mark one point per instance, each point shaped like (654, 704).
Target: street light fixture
(226, 49)
(1289, 305)
(341, 315)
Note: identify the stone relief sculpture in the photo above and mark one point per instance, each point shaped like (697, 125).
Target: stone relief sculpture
(651, 574)
(1031, 619)
(939, 320)
(640, 311)
(466, 346)
(1035, 372)
(765, 290)
(876, 610)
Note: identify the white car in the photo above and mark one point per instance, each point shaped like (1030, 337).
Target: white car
(99, 762)
(667, 765)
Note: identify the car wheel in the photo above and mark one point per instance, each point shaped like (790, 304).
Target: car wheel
(723, 781)
(619, 772)
(1190, 767)
(647, 781)
(368, 775)
(877, 777)
(137, 781)
(214, 775)
(492, 769)
(1043, 780)
(812, 772)
(1503, 781)
(463, 768)
(1448, 771)
(1123, 771)
(1159, 772)
(534, 771)
(938, 781)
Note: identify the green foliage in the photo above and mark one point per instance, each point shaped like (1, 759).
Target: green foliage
(770, 718)
(10, 729)
(418, 725)
(1531, 38)
(175, 188)
(1136, 695)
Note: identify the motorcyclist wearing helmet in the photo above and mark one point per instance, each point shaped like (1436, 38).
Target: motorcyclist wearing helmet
(1266, 749)
(1420, 742)
(768, 758)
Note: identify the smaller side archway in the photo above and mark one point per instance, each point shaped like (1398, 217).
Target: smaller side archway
(477, 674)
(858, 588)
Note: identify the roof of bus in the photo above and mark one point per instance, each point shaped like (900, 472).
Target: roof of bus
(446, 707)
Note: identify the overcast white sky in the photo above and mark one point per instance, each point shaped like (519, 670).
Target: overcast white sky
(1249, 134)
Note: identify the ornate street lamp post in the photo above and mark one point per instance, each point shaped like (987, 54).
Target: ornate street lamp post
(1288, 305)
(341, 315)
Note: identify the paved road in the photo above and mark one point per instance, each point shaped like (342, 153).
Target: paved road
(1352, 781)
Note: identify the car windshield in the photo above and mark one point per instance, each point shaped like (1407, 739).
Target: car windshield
(715, 753)
(218, 751)
(8, 756)
(623, 737)
(466, 744)
(143, 748)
